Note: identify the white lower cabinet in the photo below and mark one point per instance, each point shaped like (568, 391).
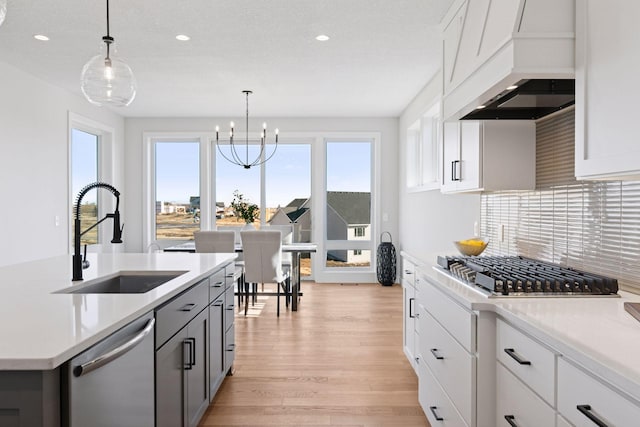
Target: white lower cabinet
(450, 363)
(409, 311)
(434, 401)
(517, 405)
(586, 401)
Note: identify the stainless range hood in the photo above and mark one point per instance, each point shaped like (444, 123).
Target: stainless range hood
(487, 50)
(527, 100)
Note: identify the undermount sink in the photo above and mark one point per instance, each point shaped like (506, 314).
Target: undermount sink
(124, 282)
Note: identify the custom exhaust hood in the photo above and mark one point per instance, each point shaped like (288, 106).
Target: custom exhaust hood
(511, 62)
(527, 100)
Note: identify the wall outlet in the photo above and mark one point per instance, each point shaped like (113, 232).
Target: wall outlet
(501, 233)
(476, 229)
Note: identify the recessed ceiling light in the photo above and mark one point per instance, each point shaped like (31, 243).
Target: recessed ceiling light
(322, 38)
(41, 37)
(183, 38)
(480, 107)
(512, 87)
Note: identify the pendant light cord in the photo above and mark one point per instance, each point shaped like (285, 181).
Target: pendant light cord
(108, 39)
(247, 128)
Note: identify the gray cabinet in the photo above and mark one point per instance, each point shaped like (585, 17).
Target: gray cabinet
(216, 345)
(217, 288)
(182, 362)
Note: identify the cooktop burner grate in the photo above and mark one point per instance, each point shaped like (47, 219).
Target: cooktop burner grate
(520, 276)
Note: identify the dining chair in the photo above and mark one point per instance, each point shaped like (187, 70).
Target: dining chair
(263, 263)
(286, 235)
(221, 242)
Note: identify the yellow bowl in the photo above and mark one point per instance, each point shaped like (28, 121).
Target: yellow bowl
(471, 247)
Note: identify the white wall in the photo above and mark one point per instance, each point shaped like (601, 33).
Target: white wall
(34, 164)
(135, 127)
(429, 221)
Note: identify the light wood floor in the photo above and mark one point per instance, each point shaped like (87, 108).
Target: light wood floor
(337, 361)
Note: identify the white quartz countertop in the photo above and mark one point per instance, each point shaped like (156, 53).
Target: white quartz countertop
(595, 332)
(41, 329)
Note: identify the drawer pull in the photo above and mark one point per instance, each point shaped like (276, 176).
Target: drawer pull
(231, 347)
(512, 353)
(217, 304)
(435, 414)
(188, 307)
(586, 411)
(434, 351)
(511, 420)
(408, 272)
(411, 300)
(218, 284)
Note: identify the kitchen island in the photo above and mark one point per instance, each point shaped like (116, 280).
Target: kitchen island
(44, 326)
(555, 353)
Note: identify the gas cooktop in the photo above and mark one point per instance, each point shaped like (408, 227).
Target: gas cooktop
(501, 276)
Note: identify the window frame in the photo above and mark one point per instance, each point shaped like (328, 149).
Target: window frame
(105, 152)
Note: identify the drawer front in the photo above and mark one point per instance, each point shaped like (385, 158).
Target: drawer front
(229, 348)
(229, 308)
(408, 272)
(172, 316)
(217, 285)
(536, 365)
(435, 403)
(519, 403)
(457, 320)
(450, 364)
(581, 396)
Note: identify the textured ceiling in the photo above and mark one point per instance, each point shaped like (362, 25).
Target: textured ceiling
(381, 52)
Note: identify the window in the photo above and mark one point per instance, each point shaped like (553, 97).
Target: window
(357, 252)
(177, 189)
(84, 171)
(422, 142)
(231, 178)
(348, 203)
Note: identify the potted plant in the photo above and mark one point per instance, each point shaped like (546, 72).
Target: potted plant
(243, 208)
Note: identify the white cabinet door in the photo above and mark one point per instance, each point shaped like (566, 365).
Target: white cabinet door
(450, 155)
(606, 98)
(470, 167)
(408, 330)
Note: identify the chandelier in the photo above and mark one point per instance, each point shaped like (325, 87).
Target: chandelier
(107, 79)
(239, 155)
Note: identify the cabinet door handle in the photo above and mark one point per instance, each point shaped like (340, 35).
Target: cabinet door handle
(511, 420)
(586, 411)
(512, 353)
(435, 414)
(408, 272)
(193, 352)
(188, 307)
(188, 346)
(411, 308)
(454, 171)
(434, 351)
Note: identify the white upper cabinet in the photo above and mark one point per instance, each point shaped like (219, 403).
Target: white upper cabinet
(607, 66)
(488, 156)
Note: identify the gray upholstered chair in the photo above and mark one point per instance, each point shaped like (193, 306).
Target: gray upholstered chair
(221, 242)
(263, 263)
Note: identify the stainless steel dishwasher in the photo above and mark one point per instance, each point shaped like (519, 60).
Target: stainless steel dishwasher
(112, 383)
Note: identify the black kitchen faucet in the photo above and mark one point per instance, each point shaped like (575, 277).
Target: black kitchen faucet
(78, 262)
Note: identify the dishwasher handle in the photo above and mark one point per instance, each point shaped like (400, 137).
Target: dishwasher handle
(102, 360)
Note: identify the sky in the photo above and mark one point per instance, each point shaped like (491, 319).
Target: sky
(84, 164)
(288, 172)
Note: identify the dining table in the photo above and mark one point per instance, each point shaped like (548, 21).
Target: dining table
(295, 249)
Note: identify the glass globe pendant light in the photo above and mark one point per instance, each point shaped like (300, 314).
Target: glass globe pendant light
(3, 10)
(107, 79)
